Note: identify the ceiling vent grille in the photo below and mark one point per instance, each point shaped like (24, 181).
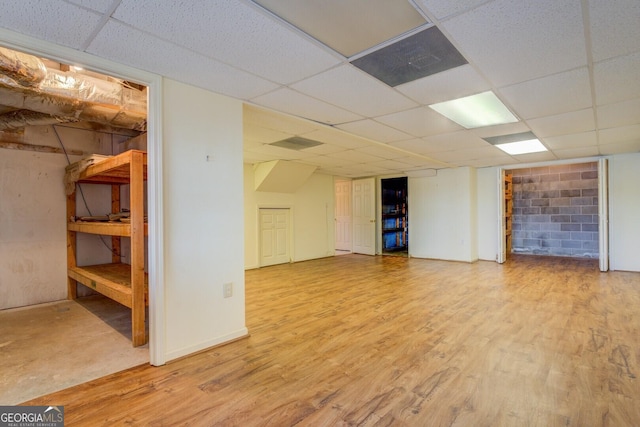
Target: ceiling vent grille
(296, 143)
(419, 55)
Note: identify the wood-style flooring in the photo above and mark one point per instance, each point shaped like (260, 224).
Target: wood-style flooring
(385, 341)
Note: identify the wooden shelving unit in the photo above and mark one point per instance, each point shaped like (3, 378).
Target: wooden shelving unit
(508, 210)
(124, 283)
(394, 216)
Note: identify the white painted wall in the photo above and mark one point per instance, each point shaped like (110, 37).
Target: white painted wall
(312, 209)
(624, 212)
(33, 263)
(488, 215)
(203, 220)
(442, 213)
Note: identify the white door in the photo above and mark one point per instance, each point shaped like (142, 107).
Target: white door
(603, 213)
(502, 226)
(274, 237)
(364, 216)
(343, 215)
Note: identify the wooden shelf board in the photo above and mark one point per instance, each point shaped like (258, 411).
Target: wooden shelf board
(104, 228)
(111, 280)
(113, 170)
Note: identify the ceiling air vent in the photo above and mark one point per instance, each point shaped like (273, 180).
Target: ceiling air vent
(419, 55)
(296, 143)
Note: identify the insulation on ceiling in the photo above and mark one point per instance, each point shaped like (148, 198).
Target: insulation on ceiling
(26, 84)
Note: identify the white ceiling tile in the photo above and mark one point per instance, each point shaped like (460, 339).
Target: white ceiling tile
(620, 147)
(461, 140)
(97, 5)
(338, 138)
(575, 140)
(52, 20)
(620, 134)
(296, 103)
(391, 164)
(388, 152)
(615, 28)
(249, 144)
(497, 130)
(443, 8)
(555, 94)
(262, 135)
(325, 149)
(544, 156)
(282, 153)
(319, 161)
(515, 41)
(451, 84)
(355, 156)
(326, 161)
(578, 152)
(369, 169)
(619, 114)
(418, 162)
(419, 122)
(490, 161)
(149, 53)
(348, 27)
(617, 79)
(354, 91)
(236, 33)
(562, 124)
(276, 121)
(462, 156)
(252, 157)
(374, 131)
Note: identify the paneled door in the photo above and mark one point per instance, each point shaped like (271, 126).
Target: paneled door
(364, 216)
(274, 236)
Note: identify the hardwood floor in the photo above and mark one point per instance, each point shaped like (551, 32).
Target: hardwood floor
(381, 341)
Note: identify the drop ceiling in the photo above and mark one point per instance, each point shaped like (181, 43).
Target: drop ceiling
(567, 69)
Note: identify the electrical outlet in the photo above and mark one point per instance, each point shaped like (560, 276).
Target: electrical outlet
(228, 290)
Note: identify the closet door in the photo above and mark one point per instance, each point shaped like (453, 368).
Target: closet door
(274, 236)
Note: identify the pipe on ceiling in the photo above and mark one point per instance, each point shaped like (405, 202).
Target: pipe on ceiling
(27, 84)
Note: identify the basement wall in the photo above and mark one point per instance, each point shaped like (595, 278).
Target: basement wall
(33, 242)
(555, 210)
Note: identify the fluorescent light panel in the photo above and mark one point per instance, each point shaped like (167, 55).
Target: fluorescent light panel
(482, 109)
(522, 147)
(517, 143)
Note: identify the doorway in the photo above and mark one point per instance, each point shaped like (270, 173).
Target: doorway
(48, 151)
(395, 224)
(556, 210)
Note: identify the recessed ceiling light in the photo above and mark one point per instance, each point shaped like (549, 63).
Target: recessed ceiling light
(482, 109)
(522, 147)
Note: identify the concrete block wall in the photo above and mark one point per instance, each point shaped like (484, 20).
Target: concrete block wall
(555, 210)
